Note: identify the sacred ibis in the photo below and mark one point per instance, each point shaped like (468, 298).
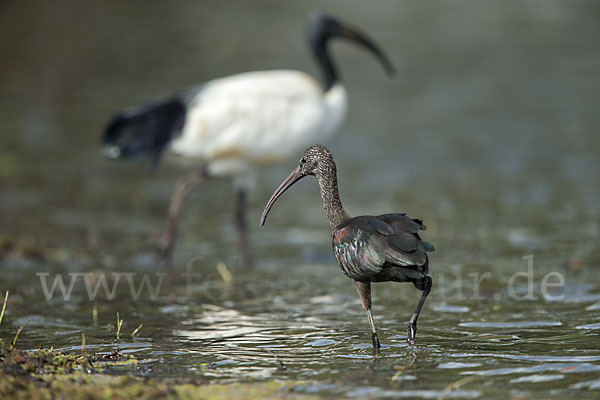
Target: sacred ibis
(232, 126)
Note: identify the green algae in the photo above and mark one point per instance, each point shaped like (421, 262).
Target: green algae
(129, 387)
(48, 374)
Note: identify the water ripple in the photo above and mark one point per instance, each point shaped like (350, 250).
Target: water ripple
(516, 324)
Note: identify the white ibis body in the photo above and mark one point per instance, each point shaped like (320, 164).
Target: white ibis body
(368, 248)
(230, 127)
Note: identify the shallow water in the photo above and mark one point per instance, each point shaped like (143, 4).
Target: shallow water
(487, 133)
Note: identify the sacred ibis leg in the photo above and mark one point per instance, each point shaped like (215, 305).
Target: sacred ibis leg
(364, 291)
(242, 227)
(425, 286)
(183, 187)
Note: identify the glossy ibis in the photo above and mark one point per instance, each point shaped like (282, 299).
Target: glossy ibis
(368, 248)
(230, 127)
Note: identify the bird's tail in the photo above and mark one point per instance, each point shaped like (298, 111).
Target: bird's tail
(144, 130)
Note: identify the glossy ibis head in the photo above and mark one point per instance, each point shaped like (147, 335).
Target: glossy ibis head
(322, 27)
(316, 160)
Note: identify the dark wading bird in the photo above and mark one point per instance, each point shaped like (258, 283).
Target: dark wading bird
(230, 127)
(368, 248)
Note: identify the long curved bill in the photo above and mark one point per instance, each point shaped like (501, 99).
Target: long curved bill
(294, 177)
(361, 38)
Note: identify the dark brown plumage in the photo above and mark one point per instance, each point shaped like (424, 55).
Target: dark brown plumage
(368, 248)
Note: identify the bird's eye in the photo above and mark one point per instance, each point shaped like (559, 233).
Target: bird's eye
(302, 160)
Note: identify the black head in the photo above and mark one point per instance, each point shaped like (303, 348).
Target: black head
(322, 27)
(316, 161)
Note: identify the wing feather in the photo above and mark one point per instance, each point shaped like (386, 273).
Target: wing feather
(366, 246)
(359, 254)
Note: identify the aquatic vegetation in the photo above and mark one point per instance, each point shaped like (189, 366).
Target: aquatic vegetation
(45, 374)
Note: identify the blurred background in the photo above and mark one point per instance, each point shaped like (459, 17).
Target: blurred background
(493, 102)
(488, 133)
(496, 101)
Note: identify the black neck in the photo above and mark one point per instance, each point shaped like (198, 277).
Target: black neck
(321, 53)
(330, 196)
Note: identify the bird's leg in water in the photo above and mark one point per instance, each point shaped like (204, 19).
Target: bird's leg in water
(242, 227)
(183, 187)
(364, 291)
(425, 286)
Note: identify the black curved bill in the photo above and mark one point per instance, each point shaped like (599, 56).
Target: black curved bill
(362, 39)
(294, 177)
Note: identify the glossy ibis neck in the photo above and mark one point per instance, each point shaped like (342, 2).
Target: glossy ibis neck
(328, 68)
(330, 196)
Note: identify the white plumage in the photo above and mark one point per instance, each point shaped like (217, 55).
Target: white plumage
(244, 121)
